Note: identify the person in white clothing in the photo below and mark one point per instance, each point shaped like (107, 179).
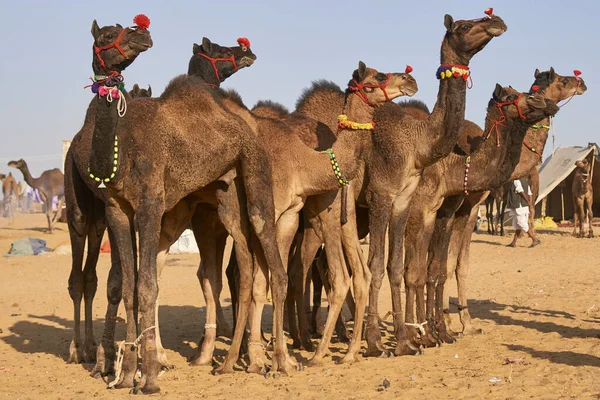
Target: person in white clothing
(518, 201)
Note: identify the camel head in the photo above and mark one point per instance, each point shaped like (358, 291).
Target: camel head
(115, 47)
(2, 177)
(376, 88)
(584, 166)
(557, 87)
(468, 37)
(530, 108)
(215, 63)
(270, 109)
(136, 91)
(17, 164)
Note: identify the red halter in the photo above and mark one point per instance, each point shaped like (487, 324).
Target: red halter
(358, 89)
(116, 44)
(214, 64)
(499, 121)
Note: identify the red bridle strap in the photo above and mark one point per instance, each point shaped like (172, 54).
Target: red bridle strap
(532, 149)
(574, 93)
(116, 44)
(214, 63)
(500, 121)
(358, 89)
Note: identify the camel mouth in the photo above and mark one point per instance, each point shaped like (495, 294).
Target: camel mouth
(140, 45)
(246, 61)
(408, 92)
(581, 89)
(496, 31)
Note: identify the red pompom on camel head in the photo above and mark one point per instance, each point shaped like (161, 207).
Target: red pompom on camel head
(244, 43)
(141, 21)
(408, 69)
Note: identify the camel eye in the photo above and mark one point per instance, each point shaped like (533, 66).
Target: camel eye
(380, 77)
(565, 81)
(369, 90)
(465, 28)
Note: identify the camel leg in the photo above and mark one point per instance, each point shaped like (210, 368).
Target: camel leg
(95, 234)
(590, 216)
(121, 225)
(209, 231)
(379, 214)
(300, 280)
(489, 214)
(148, 218)
(361, 280)
(105, 355)
(315, 276)
(299, 273)
(422, 222)
(234, 216)
(396, 272)
(462, 271)
(49, 214)
(58, 212)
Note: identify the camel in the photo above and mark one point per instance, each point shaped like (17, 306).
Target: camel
(402, 147)
(496, 197)
(583, 198)
(9, 193)
(289, 153)
(117, 48)
(50, 183)
(159, 143)
(554, 87)
(441, 189)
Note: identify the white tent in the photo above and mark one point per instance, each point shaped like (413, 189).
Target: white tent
(556, 180)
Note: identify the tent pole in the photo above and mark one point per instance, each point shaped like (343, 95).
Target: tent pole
(562, 203)
(593, 159)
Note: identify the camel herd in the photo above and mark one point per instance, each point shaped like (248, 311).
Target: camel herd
(344, 164)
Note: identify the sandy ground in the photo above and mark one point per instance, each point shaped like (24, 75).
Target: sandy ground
(541, 305)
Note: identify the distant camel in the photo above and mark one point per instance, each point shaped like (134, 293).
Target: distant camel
(9, 193)
(583, 198)
(49, 184)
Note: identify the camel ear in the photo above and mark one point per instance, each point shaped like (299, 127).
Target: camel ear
(95, 29)
(196, 49)
(149, 91)
(497, 91)
(119, 26)
(135, 90)
(448, 22)
(552, 73)
(206, 45)
(362, 70)
(536, 73)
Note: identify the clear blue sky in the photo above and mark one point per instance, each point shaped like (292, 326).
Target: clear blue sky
(47, 54)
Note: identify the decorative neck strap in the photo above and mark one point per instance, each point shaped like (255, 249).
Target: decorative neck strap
(446, 71)
(344, 123)
(336, 168)
(532, 149)
(538, 127)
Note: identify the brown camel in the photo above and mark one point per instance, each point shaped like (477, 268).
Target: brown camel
(312, 176)
(495, 198)
(441, 189)
(85, 205)
(50, 183)
(583, 198)
(402, 147)
(9, 195)
(80, 147)
(554, 87)
(160, 142)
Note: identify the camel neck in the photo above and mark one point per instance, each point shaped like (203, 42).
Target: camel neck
(103, 155)
(495, 165)
(31, 181)
(535, 138)
(357, 110)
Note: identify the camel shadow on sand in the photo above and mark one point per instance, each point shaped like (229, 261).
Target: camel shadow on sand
(492, 311)
(181, 330)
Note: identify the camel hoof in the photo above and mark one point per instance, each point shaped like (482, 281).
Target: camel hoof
(222, 370)
(296, 344)
(315, 362)
(75, 354)
(256, 369)
(146, 389)
(201, 362)
(316, 335)
(308, 345)
(284, 364)
(125, 384)
(421, 351)
(349, 359)
(405, 348)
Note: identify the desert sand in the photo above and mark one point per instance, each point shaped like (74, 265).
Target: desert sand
(539, 305)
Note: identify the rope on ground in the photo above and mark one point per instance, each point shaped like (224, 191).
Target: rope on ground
(121, 354)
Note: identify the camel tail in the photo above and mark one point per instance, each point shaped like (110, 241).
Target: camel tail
(344, 214)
